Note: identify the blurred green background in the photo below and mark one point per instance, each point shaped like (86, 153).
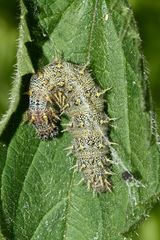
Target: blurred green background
(147, 14)
(8, 44)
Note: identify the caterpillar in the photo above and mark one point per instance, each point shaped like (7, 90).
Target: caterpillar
(72, 90)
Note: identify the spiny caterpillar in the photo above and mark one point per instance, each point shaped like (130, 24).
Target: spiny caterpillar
(71, 89)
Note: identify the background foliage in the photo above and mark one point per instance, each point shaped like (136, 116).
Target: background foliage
(147, 15)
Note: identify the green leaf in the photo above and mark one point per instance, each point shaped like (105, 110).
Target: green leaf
(41, 197)
(23, 67)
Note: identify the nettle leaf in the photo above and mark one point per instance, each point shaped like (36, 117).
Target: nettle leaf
(23, 66)
(40, 194)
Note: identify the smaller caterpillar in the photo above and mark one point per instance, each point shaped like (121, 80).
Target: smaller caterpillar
(127, 176)
(65, 88)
